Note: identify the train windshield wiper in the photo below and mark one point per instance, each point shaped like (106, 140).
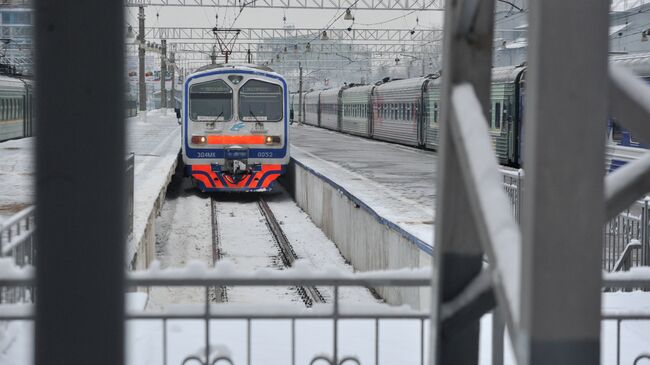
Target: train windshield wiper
(253, 115)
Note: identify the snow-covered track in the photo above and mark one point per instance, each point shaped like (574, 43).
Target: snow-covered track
(308, 294)
(218, 294)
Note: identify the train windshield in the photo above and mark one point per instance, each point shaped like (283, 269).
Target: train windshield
(210, 101)
(260, 101)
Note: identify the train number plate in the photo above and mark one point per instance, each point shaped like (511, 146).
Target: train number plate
(236, 154)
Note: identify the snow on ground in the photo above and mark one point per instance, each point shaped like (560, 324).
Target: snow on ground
(183, 234)
(245, 239)
(16, 176)
(313, 247)
(155, 141)
(395, 181)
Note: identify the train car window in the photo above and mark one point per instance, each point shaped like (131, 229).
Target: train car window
(210, 101)
(617, 132)
(497, 116)
(260, 101)
(2, 109)
(435, 112)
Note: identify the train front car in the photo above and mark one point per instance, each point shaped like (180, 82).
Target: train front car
(235, 135)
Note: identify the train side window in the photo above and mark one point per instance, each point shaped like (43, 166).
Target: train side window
(617, 132)
(497, 116)
(435, 112)
(2, 109)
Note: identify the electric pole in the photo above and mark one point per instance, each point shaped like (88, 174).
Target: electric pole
(142, 88)
(172, 63)
(213, 55)
(163, 73)
(300, 94)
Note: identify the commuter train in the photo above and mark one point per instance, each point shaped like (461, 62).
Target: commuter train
(16, 108)
(234, 127)
(407, 111)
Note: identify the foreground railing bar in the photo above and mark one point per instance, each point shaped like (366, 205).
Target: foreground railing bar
(16, 218)
(26, 281)
(216, 316)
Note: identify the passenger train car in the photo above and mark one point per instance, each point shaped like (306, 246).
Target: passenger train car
(408, 112)
(234, 127)
(16, 110)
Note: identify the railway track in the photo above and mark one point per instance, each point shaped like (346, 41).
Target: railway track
(308, 295)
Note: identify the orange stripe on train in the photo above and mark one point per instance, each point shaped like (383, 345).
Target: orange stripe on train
(230, 139)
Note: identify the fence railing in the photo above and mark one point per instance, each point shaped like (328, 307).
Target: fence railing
(626, 237)
(207, 316)
(17, 246)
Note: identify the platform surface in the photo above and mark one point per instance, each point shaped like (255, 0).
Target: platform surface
(155, 141)
(398, 182)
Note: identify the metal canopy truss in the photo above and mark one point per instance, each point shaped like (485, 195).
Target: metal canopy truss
(550, 304)
(278, 48)
(301, 35)
(426, 5)
(335, 65)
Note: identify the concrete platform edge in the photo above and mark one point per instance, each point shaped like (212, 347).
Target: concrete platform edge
(366, 239)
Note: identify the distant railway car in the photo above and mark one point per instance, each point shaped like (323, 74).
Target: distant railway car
(408, 112)
(16, 109)
(622, 147)
(311, 101)
(330, 108)
(356, 114)
(505, 113)
(234, 127)
(397, 107)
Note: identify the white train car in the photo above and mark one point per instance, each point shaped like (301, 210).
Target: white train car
(356, 112)
(330, 108)
(234, 120)
(311, 107)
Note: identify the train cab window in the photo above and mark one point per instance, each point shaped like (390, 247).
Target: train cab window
(497, 116)
(210, 101)
(260, 101)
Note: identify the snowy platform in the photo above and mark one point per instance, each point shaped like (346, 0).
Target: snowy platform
(396, 182)
(155, 141)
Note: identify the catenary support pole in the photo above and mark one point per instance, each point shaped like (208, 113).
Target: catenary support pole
(142, 87)
(80, 182)
(300, 116)
(564, 212)
(172, 64)
(163, 74)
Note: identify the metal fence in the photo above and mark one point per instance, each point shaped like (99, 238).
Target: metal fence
(626, 241)
(17, 244)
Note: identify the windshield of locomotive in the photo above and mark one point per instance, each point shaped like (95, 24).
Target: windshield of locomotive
(260, 101)
(210, 101)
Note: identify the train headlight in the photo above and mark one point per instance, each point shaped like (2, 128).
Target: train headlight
(199, 140)
(272, 140)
